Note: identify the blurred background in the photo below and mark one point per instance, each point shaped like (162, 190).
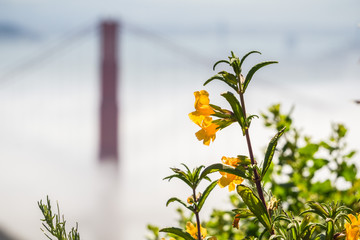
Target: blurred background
(51, 55)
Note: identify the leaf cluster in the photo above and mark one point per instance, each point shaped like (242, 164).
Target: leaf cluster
(239, 84)
(329, 223)
(304, 159)
(194, 202)
(281, 212)
(54, 224)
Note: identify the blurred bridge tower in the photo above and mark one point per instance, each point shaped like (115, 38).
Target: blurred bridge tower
(108, 145)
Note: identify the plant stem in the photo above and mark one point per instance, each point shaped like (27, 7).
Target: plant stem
(197, 216)
(253, 162)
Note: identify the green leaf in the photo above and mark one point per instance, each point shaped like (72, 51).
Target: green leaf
(231, 78)
(343, 209)
(221, 77)
(320, 237)
(252, 71)
(283, 218)
(262, 234)
(342, 215)
(205, 195)
(293, 230)
(181, 177)
(235, 63)
(178, 232)
(174, 199)
(243, 213)
(223, 123)
(308, 232)
(250, 118)
(273, 237)
(237, 109)
(218, 167)
(270, 151)
(320, 210)
(196, 174)
(255, 205)
(246, 55)
(329, 229)
(221, 61)
(304, 223)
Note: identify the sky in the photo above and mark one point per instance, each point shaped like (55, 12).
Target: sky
(49, 107)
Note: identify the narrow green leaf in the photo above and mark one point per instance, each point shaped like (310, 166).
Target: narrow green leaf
(304, 223)
(320, 237)
(231, 78)
(187, 168)
(250, 118)
(205, 195)
(197, 173)
(273, 237)
(174, 199)
(223, 123)
(270, 152)
(246, 55)
(178, 232)
(218, 167)
(235, 63)
(243, 213)
(237, 109)
(221, 78)
(221, 61)
(308, 232)
(253, 70)
(318, 209)
(255, 205)
(215, 107)
(342, 215)
(292, 229)
(181, 177)
(283, 218)
(329, 229)
(344, 208)
(262, 234)
(282, 230)
(308, 211)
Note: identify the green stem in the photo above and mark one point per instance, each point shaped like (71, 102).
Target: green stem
(197, 215)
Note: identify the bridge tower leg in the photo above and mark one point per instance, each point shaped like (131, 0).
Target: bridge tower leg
(108, 149)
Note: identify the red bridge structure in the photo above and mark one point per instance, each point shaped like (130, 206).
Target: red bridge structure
(108, 142)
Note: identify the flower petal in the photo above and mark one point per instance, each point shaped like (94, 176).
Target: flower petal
(223, 182)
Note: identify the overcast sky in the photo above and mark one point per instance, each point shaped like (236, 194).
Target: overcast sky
(46, 15)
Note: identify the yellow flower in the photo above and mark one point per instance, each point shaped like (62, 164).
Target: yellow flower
(190, 228)
(228, 179)
(169, 238)
(232, 161)
(208, 131)
(353, 228)
(202, 117)
(201, 105)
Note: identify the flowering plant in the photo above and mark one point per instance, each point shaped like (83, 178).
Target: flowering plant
(245, 175)
(282, 212)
